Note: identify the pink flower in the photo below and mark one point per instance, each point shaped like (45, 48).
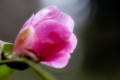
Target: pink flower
(48, 36)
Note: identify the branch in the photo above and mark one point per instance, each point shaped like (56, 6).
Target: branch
(40, 71)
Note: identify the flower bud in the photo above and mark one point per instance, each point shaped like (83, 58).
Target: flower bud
(47, 37)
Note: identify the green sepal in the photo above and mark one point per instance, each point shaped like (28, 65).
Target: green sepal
(7, 49)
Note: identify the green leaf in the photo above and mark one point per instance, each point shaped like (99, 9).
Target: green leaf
(5, 72)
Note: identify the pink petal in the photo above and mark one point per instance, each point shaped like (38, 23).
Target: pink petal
(52, 12)
(60, 61)
(24, 39)
(52, 38)
(48, 51)
(73, 41)
(44, 14)
(29, 21)
(65, 20)
(51, 31)
(69, 48)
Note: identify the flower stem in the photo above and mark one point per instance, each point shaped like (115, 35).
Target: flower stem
(41, 72)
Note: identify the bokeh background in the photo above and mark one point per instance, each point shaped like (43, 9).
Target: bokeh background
(97, 27)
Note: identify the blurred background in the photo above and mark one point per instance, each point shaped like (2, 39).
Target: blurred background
(97, 27)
